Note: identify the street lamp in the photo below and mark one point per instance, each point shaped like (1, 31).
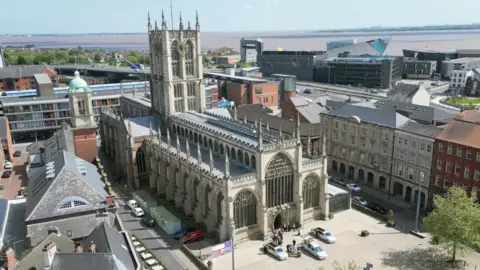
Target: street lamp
(419, 197)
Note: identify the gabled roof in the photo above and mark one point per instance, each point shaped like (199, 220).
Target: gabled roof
(421, 129)
(35, 259)
(42, 78)
(62, 140)
(64, 176)
(404, 89)
(370, 115)
(299, 101)
(312, 112)
(415, 112)
(462, 132)
(23, 71)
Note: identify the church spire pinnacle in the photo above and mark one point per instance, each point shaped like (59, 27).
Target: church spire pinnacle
(199, 156)
(227, 166)
(188, 26)
(164, 23)
(149, 24)
(156, 25)
(211, 161)
(197, 23)
(180, 27)
(260, 136)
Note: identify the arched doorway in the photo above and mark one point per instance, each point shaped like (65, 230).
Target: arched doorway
(334, 165)
(422, 198)
(279, 181)
(361, 175)
(397, 189)
(342, 168)
(141, 166)
(277, 222)
(245, 209)
(408, 194)
(351, 172)
(370, 178)
(382, 182)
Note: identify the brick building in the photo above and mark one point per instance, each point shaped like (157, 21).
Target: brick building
(246, 90)
(6, 140)
(22, 77)
(456, 156)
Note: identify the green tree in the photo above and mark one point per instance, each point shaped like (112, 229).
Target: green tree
(454, 224)
(133, 53)
(350, 266)
(97, 58)
(22, 60)
(132, 59)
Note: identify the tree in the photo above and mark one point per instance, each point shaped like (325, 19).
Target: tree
(132, 59)
(454, 223)
(22, 60)
(97, 58)
(350, 266)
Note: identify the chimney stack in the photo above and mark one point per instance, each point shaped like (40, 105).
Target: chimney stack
(10, 257)
(92, 247)
(49, 251)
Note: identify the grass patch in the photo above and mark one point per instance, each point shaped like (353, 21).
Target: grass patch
(466, 102)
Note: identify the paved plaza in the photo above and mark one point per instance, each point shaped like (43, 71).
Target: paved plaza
(385, 248)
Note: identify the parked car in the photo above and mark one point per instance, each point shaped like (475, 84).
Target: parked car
(193, 236)
(8, 165)
(138, 212)
(185, 231)
(132, 204)
(377, 208)
(6, 174)
(339, 181)
(359, 200)
(307, 91)
(313, 247)
(17, 154)
(276, 251)
(147, 222)
(324, 235)
(353, 187)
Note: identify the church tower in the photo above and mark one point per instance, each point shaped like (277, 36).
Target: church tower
(176, 68)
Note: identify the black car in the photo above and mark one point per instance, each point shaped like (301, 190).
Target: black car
(147, 222)
(377, 208)
(307, 91)
(17, 154)
(6, 174)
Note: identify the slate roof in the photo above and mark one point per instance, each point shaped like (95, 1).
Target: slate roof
(404, 89)
(370, 115)
(416, 112)
(312, 112)
(62, 140)
(22, 71)
(3, 127)
(67, 176)
(35, 259)
(421, 129)
(140, 126)
(15, 227)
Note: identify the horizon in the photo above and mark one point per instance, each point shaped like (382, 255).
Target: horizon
(120, 16)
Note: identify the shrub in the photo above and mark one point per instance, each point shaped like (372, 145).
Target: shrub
(365, 233)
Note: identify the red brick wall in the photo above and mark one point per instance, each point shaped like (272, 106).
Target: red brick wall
(237, 93)
(86, 144)
(453, 159)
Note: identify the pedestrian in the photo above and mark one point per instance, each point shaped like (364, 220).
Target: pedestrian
(294, 242)
(299, 231)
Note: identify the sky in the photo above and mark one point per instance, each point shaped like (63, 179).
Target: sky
(122, 16)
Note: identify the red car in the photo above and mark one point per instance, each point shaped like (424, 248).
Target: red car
(193, 237)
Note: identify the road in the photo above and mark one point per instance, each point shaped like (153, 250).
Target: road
(154, 240)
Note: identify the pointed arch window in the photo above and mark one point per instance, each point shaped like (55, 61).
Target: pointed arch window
(311, 191)
(189, 58)
(279, 181)
(245, 209)
(175, 55)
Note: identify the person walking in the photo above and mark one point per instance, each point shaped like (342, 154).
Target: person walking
(294, 242)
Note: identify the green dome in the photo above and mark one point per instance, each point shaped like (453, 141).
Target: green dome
(78, 84)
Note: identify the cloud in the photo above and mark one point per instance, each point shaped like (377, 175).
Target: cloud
(248, 7)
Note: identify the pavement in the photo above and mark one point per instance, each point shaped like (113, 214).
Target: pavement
(18, 178)
(163, 246)
(386, 248)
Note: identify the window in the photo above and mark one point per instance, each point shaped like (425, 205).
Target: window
(399, 140)
(352, 155)
(336, 124)
(81, 107)
(448, 167)
(353, 139)
(478, 157)
(344, 152)
(457, 169)
(429, 148)
(440, 147)
(400, 169)
(410, 173)
(468, 155)
(385, 137)
(364, 131)
(362, 142)
(71, 202)
(437, 180)
(405, 142)
(466, 172)
(413, 144)
(362, 157)
(344, 127)
(474, 192)
(258, 90)
(449, 149)
(445, 183)
(459, 151)
(411, 157)
(422, 147)
(476, 176)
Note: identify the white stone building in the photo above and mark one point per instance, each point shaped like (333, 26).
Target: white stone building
(225, 172)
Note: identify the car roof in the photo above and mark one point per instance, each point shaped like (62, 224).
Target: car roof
(132, 201)
(138, 209)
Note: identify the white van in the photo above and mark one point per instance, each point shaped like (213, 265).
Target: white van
(132, 204)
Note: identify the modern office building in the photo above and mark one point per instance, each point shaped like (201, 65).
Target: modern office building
(459, 80)
(298, 63)
(458, 64)
(249, 49)
(368, 71)
(468, 53)
(439, 57)
(340, 43)
(418, 69)
(287, 84)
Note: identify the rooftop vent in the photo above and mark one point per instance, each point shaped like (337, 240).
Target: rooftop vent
(51, 163)
(50, 176)
(50, 171)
